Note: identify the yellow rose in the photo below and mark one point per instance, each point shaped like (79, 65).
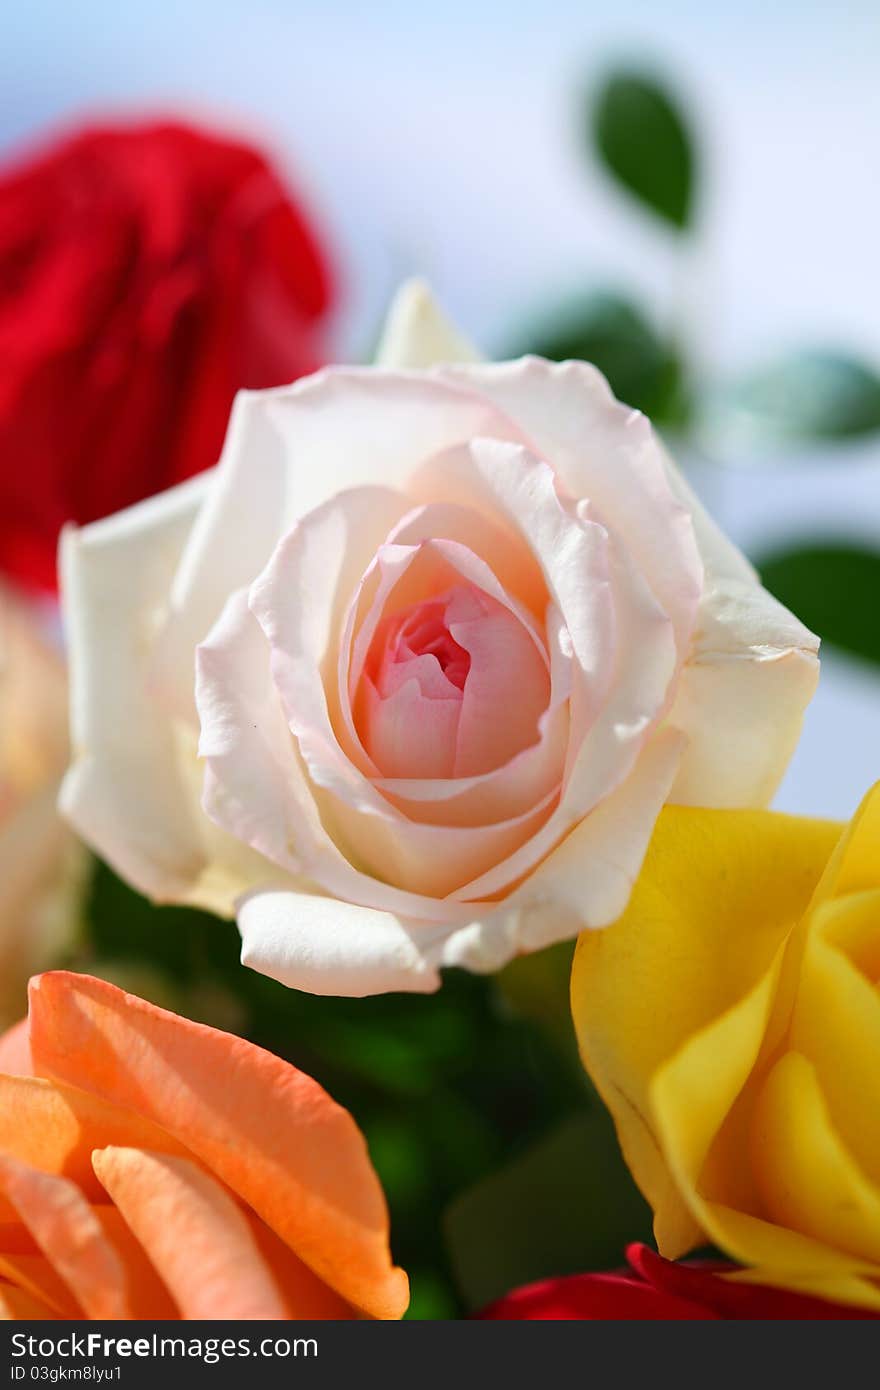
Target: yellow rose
(731, 1021)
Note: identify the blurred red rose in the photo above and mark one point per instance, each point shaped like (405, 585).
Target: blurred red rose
(146, 273)
(658, 1290)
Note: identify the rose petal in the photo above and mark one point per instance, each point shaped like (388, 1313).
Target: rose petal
(510, 790)
(252, 783)
(34, 1275)
(116, 575)
(304, 1294)
(253, 769)
(617, 739)
(55, 1128)
(707, 875)
(417, 334)
(743, 691)
(417, 858)
(15, 1050)
(326, 946)
(416, 723)
(18, 1306)
(500, 546)
(352, 427)
(505, 792)
(808, 1179)
(148, 1296)
(408, 734)
(559, 899)
(33, 700)
(265, 1129)
(67, 1231)
(836, 1017)
(510, 482)
(507, 673)
(221, 555)
(609, 455)
(612, 840)
(194, 1233)
(39, 871)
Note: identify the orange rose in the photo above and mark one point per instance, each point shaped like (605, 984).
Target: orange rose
(151, 1167)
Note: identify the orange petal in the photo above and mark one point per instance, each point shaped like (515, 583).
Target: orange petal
(267, 1130)
(195, 1234)
(18, 1306)
(15, 1239)
(67, 1231)
(55, 1127)
(305, 1295)
(35, 1276)
(147, 1296)
(15, 1050)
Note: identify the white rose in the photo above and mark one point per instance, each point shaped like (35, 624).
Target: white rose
(457, 632)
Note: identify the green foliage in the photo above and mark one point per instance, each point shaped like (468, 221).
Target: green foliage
(537, 987)
(809, 395)
(643, 140)
(565, 1206)
(643, 368)
(833, 588)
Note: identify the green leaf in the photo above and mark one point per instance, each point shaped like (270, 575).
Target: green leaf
(810, 395)
(833, 588)
(643, 369)
(566, 1206)
(536, 986)
(642, 138)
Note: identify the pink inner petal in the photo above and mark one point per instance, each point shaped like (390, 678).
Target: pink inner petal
(453, 686)
(508, 684)
(418, 644)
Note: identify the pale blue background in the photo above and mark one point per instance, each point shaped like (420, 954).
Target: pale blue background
(446, 139)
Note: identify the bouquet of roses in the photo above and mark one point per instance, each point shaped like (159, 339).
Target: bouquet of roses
(440, 668)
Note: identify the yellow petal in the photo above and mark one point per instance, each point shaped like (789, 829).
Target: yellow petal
(807, 1178)
(692, 1097)
(836, 1019)
(717, 897)
(851, 868)
(855, 865)
(849, 1289)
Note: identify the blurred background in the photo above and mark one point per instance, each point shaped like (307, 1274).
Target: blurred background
(685, 193)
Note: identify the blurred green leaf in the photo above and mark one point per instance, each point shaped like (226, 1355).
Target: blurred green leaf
(643, 139)
(566, 1206)
(810, 395)
(833, 588)
(536, 986)
(430, 1296)
(643, 369)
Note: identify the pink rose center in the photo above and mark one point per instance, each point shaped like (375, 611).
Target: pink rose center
(423, 631)
(453, 686)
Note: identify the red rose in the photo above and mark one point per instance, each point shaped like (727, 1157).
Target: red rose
(146, 273)
(658, 1290)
